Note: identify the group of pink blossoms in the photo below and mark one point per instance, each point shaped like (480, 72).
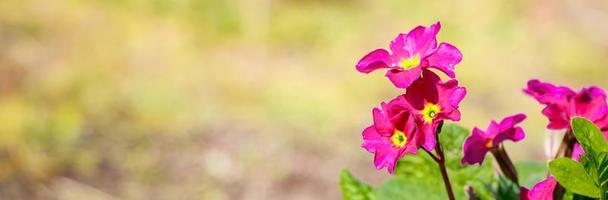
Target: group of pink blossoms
(410, 120)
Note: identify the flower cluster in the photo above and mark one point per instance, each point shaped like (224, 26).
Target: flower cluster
(410, 121)
(413, 119)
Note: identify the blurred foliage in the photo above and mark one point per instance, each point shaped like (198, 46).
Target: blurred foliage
(353, 188)
(530, 173)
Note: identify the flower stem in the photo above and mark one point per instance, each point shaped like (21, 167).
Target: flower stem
(568, 145)
(432, 156)
(505, 163)
(441, 161)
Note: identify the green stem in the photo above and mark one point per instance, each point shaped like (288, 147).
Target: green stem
(441, 161)
(505, 163)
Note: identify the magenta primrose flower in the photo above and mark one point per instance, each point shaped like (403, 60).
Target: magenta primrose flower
(562, 104)
(410, 54)
(392, 136)
(479, 142)
(432, 101)
(541, 191)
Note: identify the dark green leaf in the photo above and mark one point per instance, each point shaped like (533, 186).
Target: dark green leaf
(506, 189)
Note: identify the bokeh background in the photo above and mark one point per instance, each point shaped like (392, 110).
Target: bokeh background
(251, 99)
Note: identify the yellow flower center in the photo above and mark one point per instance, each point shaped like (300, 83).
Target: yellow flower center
(399, 139)
(429, 112)
(409, 63)
(489, 144)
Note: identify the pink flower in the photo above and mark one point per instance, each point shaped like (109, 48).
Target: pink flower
(432, 101)
(392, 136)
(541, 191)
(479, 143)
(411, 53)
(562, 103)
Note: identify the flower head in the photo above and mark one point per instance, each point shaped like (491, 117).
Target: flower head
(562, 104)
(541, 191)
(432, 101)
(410, 54)
(392, 136)
(479, 143)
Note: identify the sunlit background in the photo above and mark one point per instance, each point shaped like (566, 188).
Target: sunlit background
(251, 99)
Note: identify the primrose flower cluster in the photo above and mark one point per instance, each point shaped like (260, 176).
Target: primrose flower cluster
(412, 120)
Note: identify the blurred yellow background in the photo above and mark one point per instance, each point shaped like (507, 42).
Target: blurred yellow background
(251, 99)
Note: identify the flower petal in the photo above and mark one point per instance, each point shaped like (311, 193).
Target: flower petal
(451, 93)
(590, 103)
(423, 90)
(381, 147)
(508, 131)
(376, 59)
(453, 114)
(445, 58)
(429, 131)
(543, 190)
(450, 96)
(421, 40)
(512, 120)
(382, 124)
(547, 93)
(398, 47)
(403, 78)
(474, 148)
(558, 117)
(514, 134)
(372, 139)
(385, 156)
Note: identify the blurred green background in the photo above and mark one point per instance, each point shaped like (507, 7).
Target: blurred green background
(251, 99)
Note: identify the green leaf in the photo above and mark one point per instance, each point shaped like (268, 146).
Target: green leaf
(573, 177)
(572, 196)
(599, 170)
(353, 188)
(589, 136)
